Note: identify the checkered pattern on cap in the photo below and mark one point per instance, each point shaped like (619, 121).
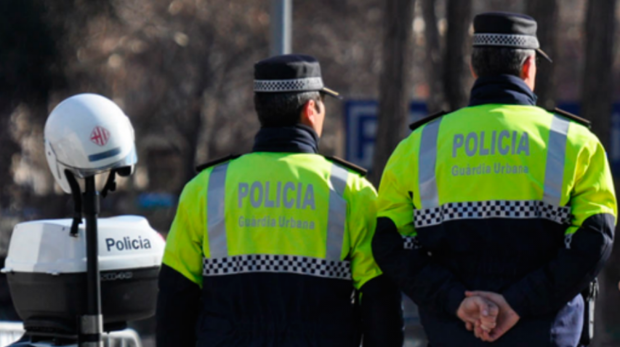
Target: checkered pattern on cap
(519, 209)
(253, 263)
(506, 40)
(293, 85)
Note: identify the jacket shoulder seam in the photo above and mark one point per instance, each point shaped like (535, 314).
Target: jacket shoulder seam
(358, 169)
(217, 161)
(572, 117)
(419, 123)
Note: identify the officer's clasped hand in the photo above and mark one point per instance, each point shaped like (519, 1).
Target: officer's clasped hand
(478, 312)
(488, 314)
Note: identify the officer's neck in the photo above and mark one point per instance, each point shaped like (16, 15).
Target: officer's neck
(299, 138)
(317, 128)
(501, 89)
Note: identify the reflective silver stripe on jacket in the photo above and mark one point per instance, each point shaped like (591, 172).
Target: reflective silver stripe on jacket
(426, 165)
(336, 221)
(220, 263)
(216, 217)
(431, 213)
(556, 154)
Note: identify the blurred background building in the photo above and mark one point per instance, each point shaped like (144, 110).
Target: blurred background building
(182, 71)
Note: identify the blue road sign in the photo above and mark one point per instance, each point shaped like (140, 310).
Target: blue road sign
(156, 200)
(361, 128)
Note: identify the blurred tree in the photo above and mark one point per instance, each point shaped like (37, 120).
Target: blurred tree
(28, 71)
(597, 89)
(433, 61)
(546, 14)
(596, 105)
(456, 59)
(209, 57)
(205, 51)
(345, 36)
(180, 69)
(394, 82)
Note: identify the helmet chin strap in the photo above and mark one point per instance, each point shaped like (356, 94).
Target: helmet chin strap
(76, 193)
(110, 183)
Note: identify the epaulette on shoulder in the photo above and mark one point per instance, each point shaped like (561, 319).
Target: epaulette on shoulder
(207, 165)
(571, 116)
(360, 170)
(419, 123)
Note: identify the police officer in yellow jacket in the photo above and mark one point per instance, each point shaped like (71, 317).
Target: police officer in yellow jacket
(501, 198)
(273, 248)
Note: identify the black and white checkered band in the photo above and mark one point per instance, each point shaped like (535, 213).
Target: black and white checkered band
(296, 85)
(411, 242)
(253, 263)
(506, 40)
(519, 209)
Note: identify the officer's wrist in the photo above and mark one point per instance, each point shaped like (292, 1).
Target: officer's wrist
(517, 301)
(455, 297)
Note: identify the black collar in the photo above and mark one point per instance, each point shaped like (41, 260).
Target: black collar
(502, 89)
(294, 139)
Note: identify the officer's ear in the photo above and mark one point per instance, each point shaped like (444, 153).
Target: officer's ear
(528, 71)
(473, 72)
(312, 114)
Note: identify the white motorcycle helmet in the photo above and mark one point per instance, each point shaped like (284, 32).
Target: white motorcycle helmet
(88, 134)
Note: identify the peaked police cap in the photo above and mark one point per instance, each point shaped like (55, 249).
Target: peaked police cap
(504, 29)
(289, 73)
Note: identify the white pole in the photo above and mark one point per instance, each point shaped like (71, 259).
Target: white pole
(281, 26)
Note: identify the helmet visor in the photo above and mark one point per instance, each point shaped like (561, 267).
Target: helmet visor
(130, 160)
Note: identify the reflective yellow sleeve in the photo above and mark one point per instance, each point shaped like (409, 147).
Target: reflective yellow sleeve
(361, 221)
(593, 192)
(184, 242)
(397, 188)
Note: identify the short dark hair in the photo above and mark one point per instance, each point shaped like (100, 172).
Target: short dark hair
(282, 109)
(493, 61)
